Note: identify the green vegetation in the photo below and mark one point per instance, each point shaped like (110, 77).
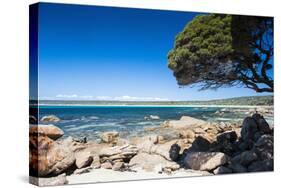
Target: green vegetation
(254, 100)
(224, 50)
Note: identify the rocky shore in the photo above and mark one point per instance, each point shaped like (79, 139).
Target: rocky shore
(185, 147)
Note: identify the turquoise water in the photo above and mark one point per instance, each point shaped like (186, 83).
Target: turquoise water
(90, 121)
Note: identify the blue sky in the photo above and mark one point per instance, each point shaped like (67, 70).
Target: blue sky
(103, 53)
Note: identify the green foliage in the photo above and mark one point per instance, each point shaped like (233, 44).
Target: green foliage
(218, 50)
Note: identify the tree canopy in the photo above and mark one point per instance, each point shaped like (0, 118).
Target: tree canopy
(224, 50)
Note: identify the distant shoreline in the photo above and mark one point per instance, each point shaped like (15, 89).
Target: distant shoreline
(158, 105)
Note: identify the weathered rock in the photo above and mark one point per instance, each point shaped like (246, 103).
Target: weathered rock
(227, 136)
(50, 118)
(260, 166)
(264, 147)
(151, 162)
(106, 165)
(83, 170)
(118, 166)
(185, 122)
(222, 170)
(96, 162)
(247, 157)
(200, 144)
(51, 181)
(263, 126)
(237, 168)
(110, 137)
(51, 131)
(187, 134)
(83, 159)
(174, 152)
(48, 157)
(204, 160)
(32, 120)
(249, 128)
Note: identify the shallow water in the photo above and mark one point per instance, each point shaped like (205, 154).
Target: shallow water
(90, 121)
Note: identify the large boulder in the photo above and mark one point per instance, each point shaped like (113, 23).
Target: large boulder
(110, 137)
(201, 143)
(83, 159)
(205, 161)
(260, 166)
(151, 163)
(263, 126)
(227, 136)
(48, 157)
(186, 122)
(51, 131)
(125, 152)
(249, 129)
(264, 147)
(50, 118)
(247, 157)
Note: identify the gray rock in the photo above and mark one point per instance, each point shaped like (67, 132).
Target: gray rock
(205, 161)
(263, 126)
(118, 166)
(260, 166)
(227, 136)
(50, 118)
(222, 170)
(151, 163)
(264, 147)
(83, 170)
(248, 157)
(237, 168)
(83, 159)
(249, 128)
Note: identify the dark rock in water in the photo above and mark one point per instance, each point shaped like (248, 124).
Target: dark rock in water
(174, 152)
(200, 144)
(222, 170)
(264, 147)
(237, 168)
(249, 128)
(260, 166)
(228, 136)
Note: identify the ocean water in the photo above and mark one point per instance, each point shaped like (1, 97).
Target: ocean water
(90, 121)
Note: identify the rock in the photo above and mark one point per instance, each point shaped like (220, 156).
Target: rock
(263, 126)
(50, 118)
(32, 119)
(204, 160)
(48, 157)
(227, 136)
(118, 166)
(83, 170)
(237, 168)
(106, 165)
(110, 137)
(51, 131)
(222, 170)
(174, 152)
(125, 152)
(189, 134)
(151, 163)
(247, 157)
(52, 181)
(260, 166)
(96, 162)
(264, 147)
(83, 159)
(185, 122)
(200, 144)
(249, 128)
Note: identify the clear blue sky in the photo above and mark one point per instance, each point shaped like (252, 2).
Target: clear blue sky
(88, 52)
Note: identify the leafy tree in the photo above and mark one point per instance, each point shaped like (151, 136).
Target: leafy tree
(224, 50)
